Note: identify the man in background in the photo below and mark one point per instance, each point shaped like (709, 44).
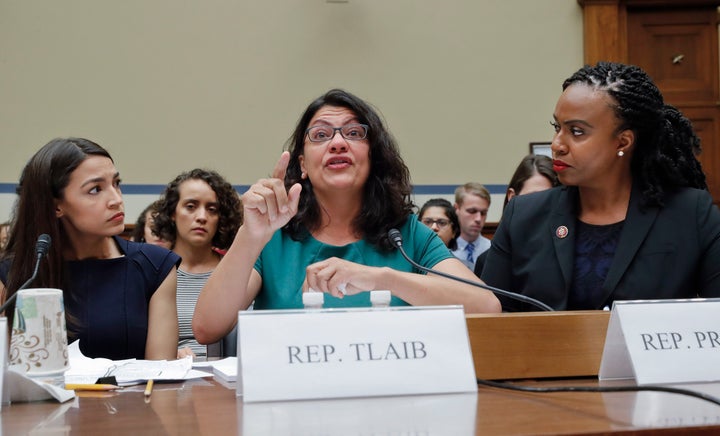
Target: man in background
(472, 202)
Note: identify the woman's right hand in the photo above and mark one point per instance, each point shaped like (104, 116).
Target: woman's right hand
(184, 352)
(267, 206)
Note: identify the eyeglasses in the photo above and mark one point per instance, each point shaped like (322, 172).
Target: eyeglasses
(353, 132)
(440, 222)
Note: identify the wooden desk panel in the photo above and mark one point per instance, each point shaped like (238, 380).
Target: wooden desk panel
(205, 407)
(537, 344)
(195, 407)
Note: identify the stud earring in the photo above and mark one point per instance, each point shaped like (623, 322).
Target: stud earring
(303, 175)
(621, 153)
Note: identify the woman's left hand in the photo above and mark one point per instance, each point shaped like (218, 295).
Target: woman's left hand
(339, 277)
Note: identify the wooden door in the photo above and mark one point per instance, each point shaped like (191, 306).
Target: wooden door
(679, 49)
(676, 42)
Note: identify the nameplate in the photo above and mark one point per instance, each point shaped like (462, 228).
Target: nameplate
(336, 353)
(663, 341)
(439, 414)
(661, 409)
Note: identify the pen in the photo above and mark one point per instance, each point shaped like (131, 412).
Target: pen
(149, 388)
(90, 387)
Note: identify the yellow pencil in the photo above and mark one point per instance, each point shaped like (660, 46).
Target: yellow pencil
(90, 387)
(149, 388)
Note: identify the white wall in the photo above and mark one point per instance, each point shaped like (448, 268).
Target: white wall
(170, 85)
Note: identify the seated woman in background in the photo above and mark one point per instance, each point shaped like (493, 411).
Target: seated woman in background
(198, 212)
(634, 219)
(143, 231)
(321, 222)
(4, 233)
(534, 174)
(439, 214)
(119, 295)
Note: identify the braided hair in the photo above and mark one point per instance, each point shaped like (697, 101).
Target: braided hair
(665, 144)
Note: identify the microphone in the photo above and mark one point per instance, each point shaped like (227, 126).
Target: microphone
(396, 240)
(41, 249)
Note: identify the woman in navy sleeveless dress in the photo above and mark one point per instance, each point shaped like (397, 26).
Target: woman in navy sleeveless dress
(119, 295)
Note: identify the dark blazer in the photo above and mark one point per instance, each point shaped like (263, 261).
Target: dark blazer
(480, 263)
(663, 252)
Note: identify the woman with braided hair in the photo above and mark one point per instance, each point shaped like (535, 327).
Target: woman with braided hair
(633, 219)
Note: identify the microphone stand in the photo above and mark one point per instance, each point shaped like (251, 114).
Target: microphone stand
(396, 239)
(41, 247)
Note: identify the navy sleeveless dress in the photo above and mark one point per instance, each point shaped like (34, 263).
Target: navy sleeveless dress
(107, 300)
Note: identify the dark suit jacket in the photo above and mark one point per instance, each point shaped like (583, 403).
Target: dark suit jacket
(663, 252)
(480, 263)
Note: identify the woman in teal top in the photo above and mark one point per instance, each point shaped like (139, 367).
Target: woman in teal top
(321, 222)
(283, 275)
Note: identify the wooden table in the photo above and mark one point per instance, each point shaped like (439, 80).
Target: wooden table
(206, 407)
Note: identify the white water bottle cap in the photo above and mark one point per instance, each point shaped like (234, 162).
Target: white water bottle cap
(313, 299)
(380, 298)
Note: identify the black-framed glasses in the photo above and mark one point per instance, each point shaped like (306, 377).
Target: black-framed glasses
(353, 132)
(440, 222)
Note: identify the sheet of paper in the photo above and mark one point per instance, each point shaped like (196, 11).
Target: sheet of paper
(226, 369)
(128, 372)
(20, 388)
(209, 365)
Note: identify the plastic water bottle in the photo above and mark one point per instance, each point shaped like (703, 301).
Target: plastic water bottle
(380, 299)
(313, 300)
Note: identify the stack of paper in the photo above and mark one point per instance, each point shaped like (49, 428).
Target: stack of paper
(226, 369)
(128, 372)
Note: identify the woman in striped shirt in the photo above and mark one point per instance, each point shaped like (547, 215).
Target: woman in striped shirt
(199, 214)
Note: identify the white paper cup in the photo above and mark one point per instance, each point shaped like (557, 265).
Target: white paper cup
(3, 359)
(39, 335)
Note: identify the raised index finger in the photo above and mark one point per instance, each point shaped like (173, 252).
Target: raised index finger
(281, 166)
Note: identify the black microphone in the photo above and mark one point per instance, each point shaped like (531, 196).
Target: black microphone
(41, 249)
(396, 240)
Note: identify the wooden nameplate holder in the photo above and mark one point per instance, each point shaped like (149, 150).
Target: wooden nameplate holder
(537, 344)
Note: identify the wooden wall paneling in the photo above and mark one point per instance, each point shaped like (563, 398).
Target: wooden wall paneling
(679, 51)
(706, 123)
(605, 37)
(653, 33)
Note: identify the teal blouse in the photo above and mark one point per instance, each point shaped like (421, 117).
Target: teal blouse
(283, 261)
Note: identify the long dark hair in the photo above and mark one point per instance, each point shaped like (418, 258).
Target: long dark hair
(229, 207)
(138, 233)
(528, 166)
(386, 197)
(665, 143)
(42, 184)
